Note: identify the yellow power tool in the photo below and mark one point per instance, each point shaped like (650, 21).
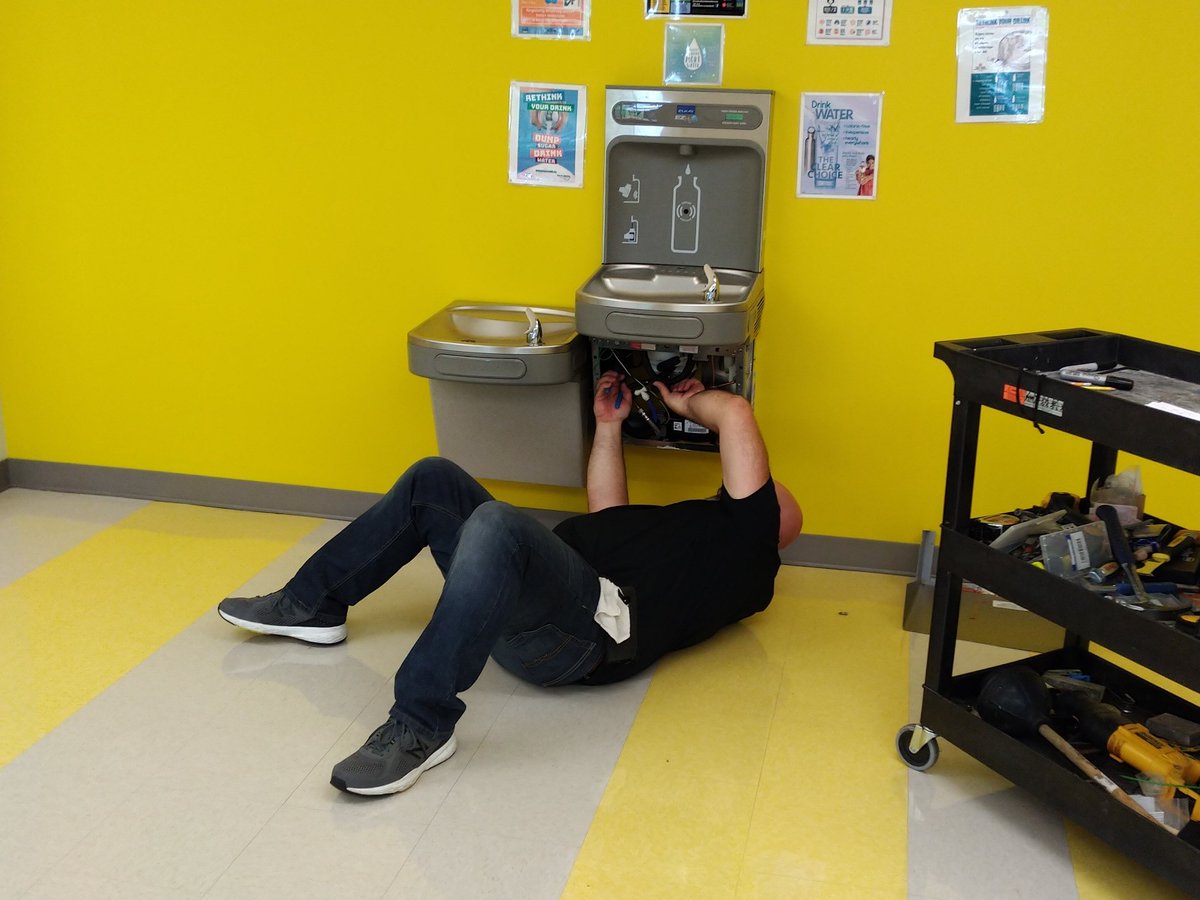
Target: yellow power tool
(1106, 726)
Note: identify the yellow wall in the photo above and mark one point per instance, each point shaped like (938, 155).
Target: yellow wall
(219, 219)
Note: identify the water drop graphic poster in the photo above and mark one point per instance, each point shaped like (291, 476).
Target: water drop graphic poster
(547, 130)
(839, 146)
(693, 54)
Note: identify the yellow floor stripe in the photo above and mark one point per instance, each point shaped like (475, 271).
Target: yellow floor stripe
(78, 623)
(762, 762)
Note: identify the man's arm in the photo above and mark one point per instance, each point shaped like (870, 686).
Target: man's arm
(606, 484)
(743, 453)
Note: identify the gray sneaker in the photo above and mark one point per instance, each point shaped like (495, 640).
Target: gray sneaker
(277, 613)
(391, 760)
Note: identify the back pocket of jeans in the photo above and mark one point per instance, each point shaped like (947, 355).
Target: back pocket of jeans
(549, 654)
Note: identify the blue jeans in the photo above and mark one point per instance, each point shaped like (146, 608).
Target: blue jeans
(513, 590)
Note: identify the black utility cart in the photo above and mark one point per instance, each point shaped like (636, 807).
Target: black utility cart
(1153, 421)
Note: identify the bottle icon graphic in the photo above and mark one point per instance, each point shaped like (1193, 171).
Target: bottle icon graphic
(685, 224)
(828, 170)
(810, 151)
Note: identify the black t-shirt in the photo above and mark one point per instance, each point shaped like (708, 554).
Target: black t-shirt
(696, 566)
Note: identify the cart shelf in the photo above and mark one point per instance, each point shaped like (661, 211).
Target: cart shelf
(1159, 419)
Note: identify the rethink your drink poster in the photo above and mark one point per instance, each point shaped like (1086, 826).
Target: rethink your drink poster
(547, 130)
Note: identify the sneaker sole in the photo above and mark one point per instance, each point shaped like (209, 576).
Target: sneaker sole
(442, 754)
(333, 634)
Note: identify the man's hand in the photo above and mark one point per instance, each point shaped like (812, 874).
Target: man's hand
(613, 399)
(678, 397)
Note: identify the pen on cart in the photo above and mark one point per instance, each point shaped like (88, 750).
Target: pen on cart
(1087, 374)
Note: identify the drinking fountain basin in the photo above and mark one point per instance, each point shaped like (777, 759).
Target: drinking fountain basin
(507, 324)
(651, 303)
(486, 342)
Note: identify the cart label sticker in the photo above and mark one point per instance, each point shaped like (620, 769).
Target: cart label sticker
(1030, 399)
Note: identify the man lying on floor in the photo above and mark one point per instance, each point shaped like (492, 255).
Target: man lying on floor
(596, 600)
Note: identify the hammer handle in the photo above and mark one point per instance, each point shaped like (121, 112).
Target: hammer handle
(1095, 774)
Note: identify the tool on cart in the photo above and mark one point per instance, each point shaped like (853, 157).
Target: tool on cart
(1087, 374)
(1175, 729)
(1017, 702)
(1123, 554)
(1106, 726)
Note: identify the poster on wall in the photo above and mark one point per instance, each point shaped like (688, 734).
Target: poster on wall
(696, 9)
(564, 20)
(865, 22)
(1002, 64)
(839, 145)
(547, 130)
(693, 54)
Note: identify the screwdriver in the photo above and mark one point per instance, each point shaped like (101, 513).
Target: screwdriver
(1123, 555)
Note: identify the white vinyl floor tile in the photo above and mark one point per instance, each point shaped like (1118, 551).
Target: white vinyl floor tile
(535, 775)
(36, 526)
(331, 853)
(499, 865)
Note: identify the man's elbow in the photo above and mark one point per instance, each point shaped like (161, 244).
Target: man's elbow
(737, 411)
(791, 517)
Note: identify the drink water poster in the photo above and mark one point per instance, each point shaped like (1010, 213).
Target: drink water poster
(839, 145)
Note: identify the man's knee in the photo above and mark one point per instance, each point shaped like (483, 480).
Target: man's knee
(432, 471)
(433, 467)
(493, 517)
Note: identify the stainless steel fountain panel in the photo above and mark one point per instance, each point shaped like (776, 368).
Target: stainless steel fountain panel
(644, 303)
(685, 176)
(681, 281)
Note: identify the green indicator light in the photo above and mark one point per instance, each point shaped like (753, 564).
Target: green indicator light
(735, 117)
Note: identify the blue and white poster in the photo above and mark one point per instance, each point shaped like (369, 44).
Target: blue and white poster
(1002, 64)
(547, 130)
(839, 146)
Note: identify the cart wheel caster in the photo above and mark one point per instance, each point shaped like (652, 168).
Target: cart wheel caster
(917, 746)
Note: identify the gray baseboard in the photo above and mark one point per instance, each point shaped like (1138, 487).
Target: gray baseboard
(201, 490)
(824, 551)
(820, 551)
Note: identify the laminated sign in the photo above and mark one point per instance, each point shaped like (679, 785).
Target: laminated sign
(839, 145)
(565, 20)
(546, 132)
(1002, 64)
